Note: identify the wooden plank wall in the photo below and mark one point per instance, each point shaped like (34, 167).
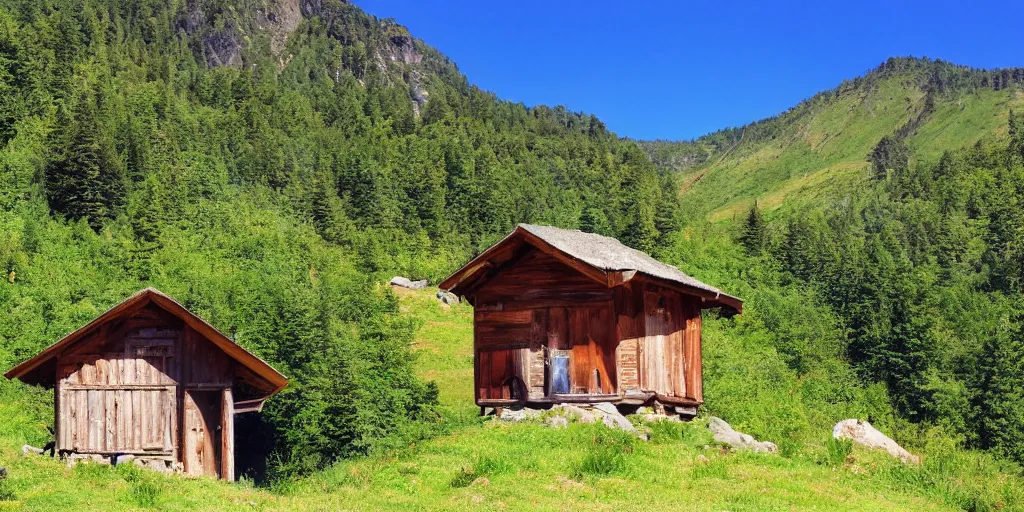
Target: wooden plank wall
(629, 307)
(635, 337)
(119, 395)
(692, 350)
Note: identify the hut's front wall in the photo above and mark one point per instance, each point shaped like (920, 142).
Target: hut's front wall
(125, 390)
(538, 315)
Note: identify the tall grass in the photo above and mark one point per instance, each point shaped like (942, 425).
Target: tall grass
(837, 451)
(607, 453)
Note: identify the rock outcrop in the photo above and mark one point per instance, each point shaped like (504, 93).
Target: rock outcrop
(561, 415)
(862, 433)
(738, 440)
(405, 282)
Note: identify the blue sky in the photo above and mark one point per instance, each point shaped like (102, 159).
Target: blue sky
(677, 70)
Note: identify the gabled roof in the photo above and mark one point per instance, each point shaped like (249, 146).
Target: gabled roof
(603, 258)
(275, 381)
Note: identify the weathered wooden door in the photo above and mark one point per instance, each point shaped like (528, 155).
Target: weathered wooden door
(202, 433)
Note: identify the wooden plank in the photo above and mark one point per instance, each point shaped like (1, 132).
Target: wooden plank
(692, 351)
(110, 420)
(227, 451)
(119, 420)
(558, 328)
(96, 418)
(138, 419)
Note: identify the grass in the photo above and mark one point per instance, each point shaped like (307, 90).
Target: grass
(825, 152)
(493, 466)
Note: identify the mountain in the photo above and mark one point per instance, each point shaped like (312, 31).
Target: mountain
(823, 144)
(271, 164)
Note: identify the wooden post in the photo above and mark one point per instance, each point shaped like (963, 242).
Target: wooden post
(227, 446)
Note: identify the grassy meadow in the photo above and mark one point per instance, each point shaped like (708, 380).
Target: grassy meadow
(482, 465)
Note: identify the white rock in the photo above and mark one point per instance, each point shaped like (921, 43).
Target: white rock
(405, 282)
(725, 434)
(862, 433)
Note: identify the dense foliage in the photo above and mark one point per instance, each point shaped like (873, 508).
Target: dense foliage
(924, 272)
(272, 195)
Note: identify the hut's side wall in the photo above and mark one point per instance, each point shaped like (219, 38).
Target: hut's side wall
(660, 350)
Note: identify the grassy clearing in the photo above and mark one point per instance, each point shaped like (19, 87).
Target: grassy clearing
(488, 466)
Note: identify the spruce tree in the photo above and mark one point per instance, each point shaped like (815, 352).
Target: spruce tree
(85, 178)
(1000, 397)
(754, 235)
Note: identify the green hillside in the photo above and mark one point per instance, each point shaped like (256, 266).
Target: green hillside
(822, 146)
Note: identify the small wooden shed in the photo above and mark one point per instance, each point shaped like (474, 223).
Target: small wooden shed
(150, 380)
(566, 316)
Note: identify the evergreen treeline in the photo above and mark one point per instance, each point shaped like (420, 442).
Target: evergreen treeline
(925, 271)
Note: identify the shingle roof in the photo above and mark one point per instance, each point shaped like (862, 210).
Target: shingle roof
(607, 253)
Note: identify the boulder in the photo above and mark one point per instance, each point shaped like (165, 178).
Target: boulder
(862, 433)
(557, 422)
(405, 282)
(571, 410)
(518, 414)
(738, 440)
(447, 297)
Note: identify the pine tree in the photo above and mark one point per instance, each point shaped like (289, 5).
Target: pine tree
(754, 236)
(85, 179)
(890, 155)
(1000, 397)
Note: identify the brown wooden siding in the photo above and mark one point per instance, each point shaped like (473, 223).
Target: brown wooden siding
(637, 337)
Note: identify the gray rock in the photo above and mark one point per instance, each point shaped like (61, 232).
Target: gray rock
(3, 473)
(725, 434)
(862, 433)
(557, 422)
(27, 449)
(651, 418)
(580, 414)
(405, 282)
(518, 414)
(447, 297)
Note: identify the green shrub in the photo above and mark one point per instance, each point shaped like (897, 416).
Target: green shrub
(837, 450)
(6, 493)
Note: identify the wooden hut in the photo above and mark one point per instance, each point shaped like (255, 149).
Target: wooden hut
(566, 316)
(150, 380)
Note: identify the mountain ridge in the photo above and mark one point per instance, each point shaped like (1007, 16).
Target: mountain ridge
(820, 144)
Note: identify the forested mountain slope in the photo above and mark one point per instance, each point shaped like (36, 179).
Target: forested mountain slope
(823, 144)
(271, 163)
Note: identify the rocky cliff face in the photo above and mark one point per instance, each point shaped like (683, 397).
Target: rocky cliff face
(224, 35)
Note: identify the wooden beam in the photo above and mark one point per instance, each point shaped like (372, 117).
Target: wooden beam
(227, 427)
(620, 277)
